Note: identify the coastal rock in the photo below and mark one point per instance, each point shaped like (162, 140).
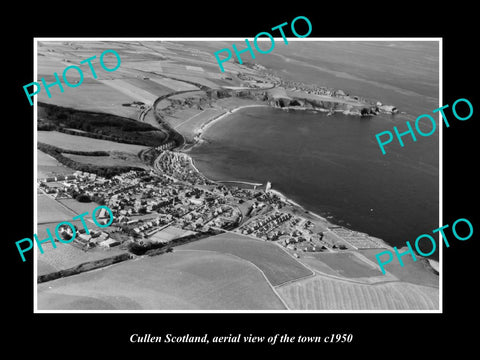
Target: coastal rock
(388, 109)
(281, 102)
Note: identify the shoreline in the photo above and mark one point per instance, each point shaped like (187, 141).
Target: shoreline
(198, 140)
(327, 221)
(199, 131)
(292, 203)
(209, 123)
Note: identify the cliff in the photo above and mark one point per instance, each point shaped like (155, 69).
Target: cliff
(322, 105)
(282, 98)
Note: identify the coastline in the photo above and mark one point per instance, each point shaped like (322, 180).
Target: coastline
(199, 131)
(321, 218)
(299, 207)
(209, 123)
(291, 202)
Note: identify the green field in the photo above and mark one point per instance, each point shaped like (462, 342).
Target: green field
(179, 73)
(144, 66)
(48, 166)
(79, 207)
(92, 97)
(132, 91)
(180, 115)
(149, 85)
(278, 266)
(115, 159)
(174, 85)
(342, 264)
(82, 143)
(183, 280)
(65, 256)
(416, 272)
(170, 233)
(325, 293)
(189, 127)
(230, 103)
(49, 210)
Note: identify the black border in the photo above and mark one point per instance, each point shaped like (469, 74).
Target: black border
(109, 333)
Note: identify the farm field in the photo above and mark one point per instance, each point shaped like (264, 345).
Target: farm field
(115, 159)
(79, 207)
(48, 166)
(194, 94)
(278, 266)
(150, 85)
(82, 143)
(324, 293)
(416, 272)
(146, 66)
(130, 90)
(175, 69)
(92, 97)
(49, 210)
(157, 46)
(231, 103)
(181, 74)
(191, 125)
(183, 280)
(170, 233)
(344, 264)
(174, 85)
(49, 64)
(65, 256)
(150, 119)
(180, 116)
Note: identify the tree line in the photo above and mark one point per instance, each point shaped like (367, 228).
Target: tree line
(98, 125)
(104, 171)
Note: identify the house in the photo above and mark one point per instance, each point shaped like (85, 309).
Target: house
(109, 243)
(103, 222)
(103, 235)
(85, 238)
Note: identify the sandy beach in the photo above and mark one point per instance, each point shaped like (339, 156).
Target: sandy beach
(282, 196)
(210, 122)
(286, 199)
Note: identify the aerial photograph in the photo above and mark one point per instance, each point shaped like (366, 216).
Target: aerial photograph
(174, 180)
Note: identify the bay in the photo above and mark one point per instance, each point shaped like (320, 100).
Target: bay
(332, 165)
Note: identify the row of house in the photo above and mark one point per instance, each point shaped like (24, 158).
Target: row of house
(264, 225)
(167, 146)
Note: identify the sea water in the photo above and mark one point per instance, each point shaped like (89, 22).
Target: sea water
(332, 165)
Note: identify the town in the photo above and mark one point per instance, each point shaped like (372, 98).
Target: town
(173, 200)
